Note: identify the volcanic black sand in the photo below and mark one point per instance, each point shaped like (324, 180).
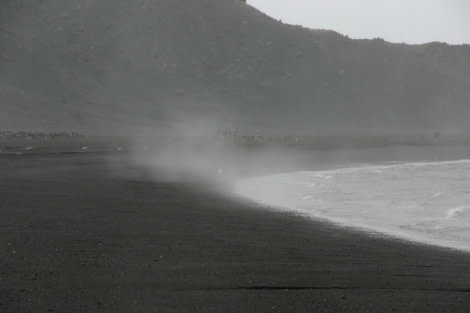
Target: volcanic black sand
(81, 234)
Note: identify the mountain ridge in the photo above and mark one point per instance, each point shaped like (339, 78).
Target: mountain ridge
(102, 67)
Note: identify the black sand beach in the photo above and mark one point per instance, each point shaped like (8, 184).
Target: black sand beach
(81, 234)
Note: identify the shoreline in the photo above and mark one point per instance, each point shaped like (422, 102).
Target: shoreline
(371, 224)
(79, 234)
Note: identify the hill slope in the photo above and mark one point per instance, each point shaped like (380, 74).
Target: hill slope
(118, 66)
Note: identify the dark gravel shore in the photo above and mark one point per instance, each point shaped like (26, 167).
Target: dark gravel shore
(81, 234)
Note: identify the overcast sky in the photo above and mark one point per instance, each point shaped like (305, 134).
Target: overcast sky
(409, 21)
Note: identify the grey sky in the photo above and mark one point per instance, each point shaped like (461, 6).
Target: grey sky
(409, 21)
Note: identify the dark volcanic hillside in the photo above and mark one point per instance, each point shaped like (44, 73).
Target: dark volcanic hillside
(112, 66)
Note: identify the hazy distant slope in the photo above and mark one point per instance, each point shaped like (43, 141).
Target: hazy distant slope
(96, 66)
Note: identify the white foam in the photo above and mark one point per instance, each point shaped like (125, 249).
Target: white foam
(458, 212)
(427, 201)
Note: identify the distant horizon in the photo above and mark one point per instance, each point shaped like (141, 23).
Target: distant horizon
(399, 21)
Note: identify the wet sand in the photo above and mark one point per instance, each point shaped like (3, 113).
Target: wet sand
(81, 234)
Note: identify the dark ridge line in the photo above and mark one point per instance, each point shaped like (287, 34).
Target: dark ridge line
(347, 288)
(287, 288)
(46, 153)
(295, 288)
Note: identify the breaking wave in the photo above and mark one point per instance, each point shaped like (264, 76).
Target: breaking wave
(426, 202)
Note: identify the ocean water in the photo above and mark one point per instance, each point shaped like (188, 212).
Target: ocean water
(427, 202)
